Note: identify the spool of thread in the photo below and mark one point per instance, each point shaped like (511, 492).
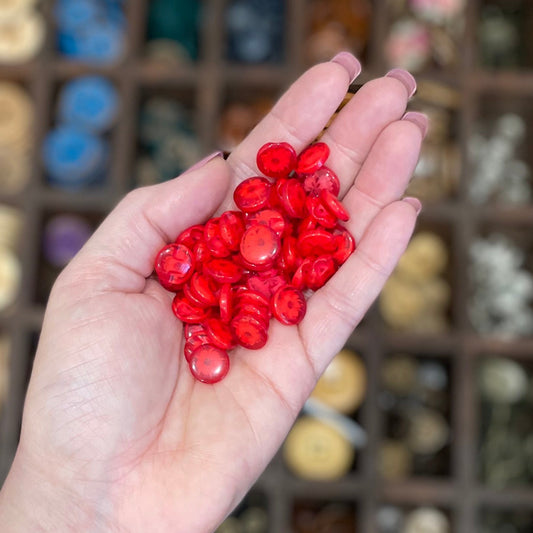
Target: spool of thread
(91, 103)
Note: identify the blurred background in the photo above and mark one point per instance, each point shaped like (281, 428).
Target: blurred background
(424, 422)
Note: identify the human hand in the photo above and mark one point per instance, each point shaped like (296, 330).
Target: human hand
(117, 435)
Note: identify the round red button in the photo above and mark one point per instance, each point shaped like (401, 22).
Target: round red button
(174, 265)
(209, 364)
(288, 305)
(260, 245)
(312, 158)
(252, 194)
(276, 160)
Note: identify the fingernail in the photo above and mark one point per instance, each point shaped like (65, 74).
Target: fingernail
(419, 119)
(415, 202)
(204, 161)
(349, 62)
(405, 77)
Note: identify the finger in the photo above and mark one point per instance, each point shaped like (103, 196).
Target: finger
(335, 309)
(355, 129)
(121, 253)
(300, 114)
(386, 172)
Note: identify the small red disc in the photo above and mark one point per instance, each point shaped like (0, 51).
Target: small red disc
(188, 312)
(334, 206)
(299, 280)
(276, 160)
(193, 343)
(266, 286)
(231, 228)
(219, 333)
(201, 253)
(268, 217)
(260, 245)
(321, 270)
(213, 240)
(223, 270)
(289, 305)
(292, 196)
(204, 289)
(226, 303)
(174, 265)
(209, 364)
(252, 194)
(289, 252)
(319, 212)
(252, 297)
(261, 314)
(190, 236)
(315, 242)
(249, 331)
(323, 179)
(312, 158)
(191, 297)
(193, 329)
(345, 245)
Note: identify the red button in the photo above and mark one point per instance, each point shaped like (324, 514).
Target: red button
(193, 329)
(226, 302)
(288, 305)
(322, 268)
(223, 270)
(322, 179)
(209, 364)
(315, 242)
(193, 343)
(260, 245)
(268, 217)
(312, 158)
(334, 206)
(250, 332)
(191, 236)
(187, 312)
(174, 265)
(219, 333)
(252, 194)
(231, 228)
(204, 289)
(276, 160)
(292, 196)
(345, 245)
(319, 212)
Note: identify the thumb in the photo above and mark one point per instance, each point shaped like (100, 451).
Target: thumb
(120, 255)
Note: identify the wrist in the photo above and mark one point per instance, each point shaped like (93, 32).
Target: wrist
(32, 499)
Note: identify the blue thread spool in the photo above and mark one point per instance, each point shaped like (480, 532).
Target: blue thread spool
(90, 102)
(74, 158)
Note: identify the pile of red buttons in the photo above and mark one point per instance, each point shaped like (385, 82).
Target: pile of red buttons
(234, 272)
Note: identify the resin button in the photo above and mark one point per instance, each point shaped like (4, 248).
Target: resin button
(276, 160)
(174, 265)
(320, 180)
(209, 364)
(312, 158)
(289, 306)
(260, 245)
(252, 194)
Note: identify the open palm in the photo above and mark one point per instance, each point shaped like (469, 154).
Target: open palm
(113, 417)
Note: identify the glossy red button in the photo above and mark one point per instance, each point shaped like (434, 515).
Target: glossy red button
(209, 364)
(344, 246)
(201, 253)
(312, 158)
(174, 265)
(276, 160)
(292, 196)
(315, 242)
(231, 228)
(262, 314)
(260, 245)
(190, 236)
(219, 333)
(226, 302)
(288, 305)
(268, 217)
(299, 280)
(223, 270)
(204, 289)
(322, 268)
(334, 206)
(267, 286)
(318, 211)
(193, 329)
(322, 179)
(187, 312)
(249, 332)
(191, 298)
(193, 343)
(252, 194)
